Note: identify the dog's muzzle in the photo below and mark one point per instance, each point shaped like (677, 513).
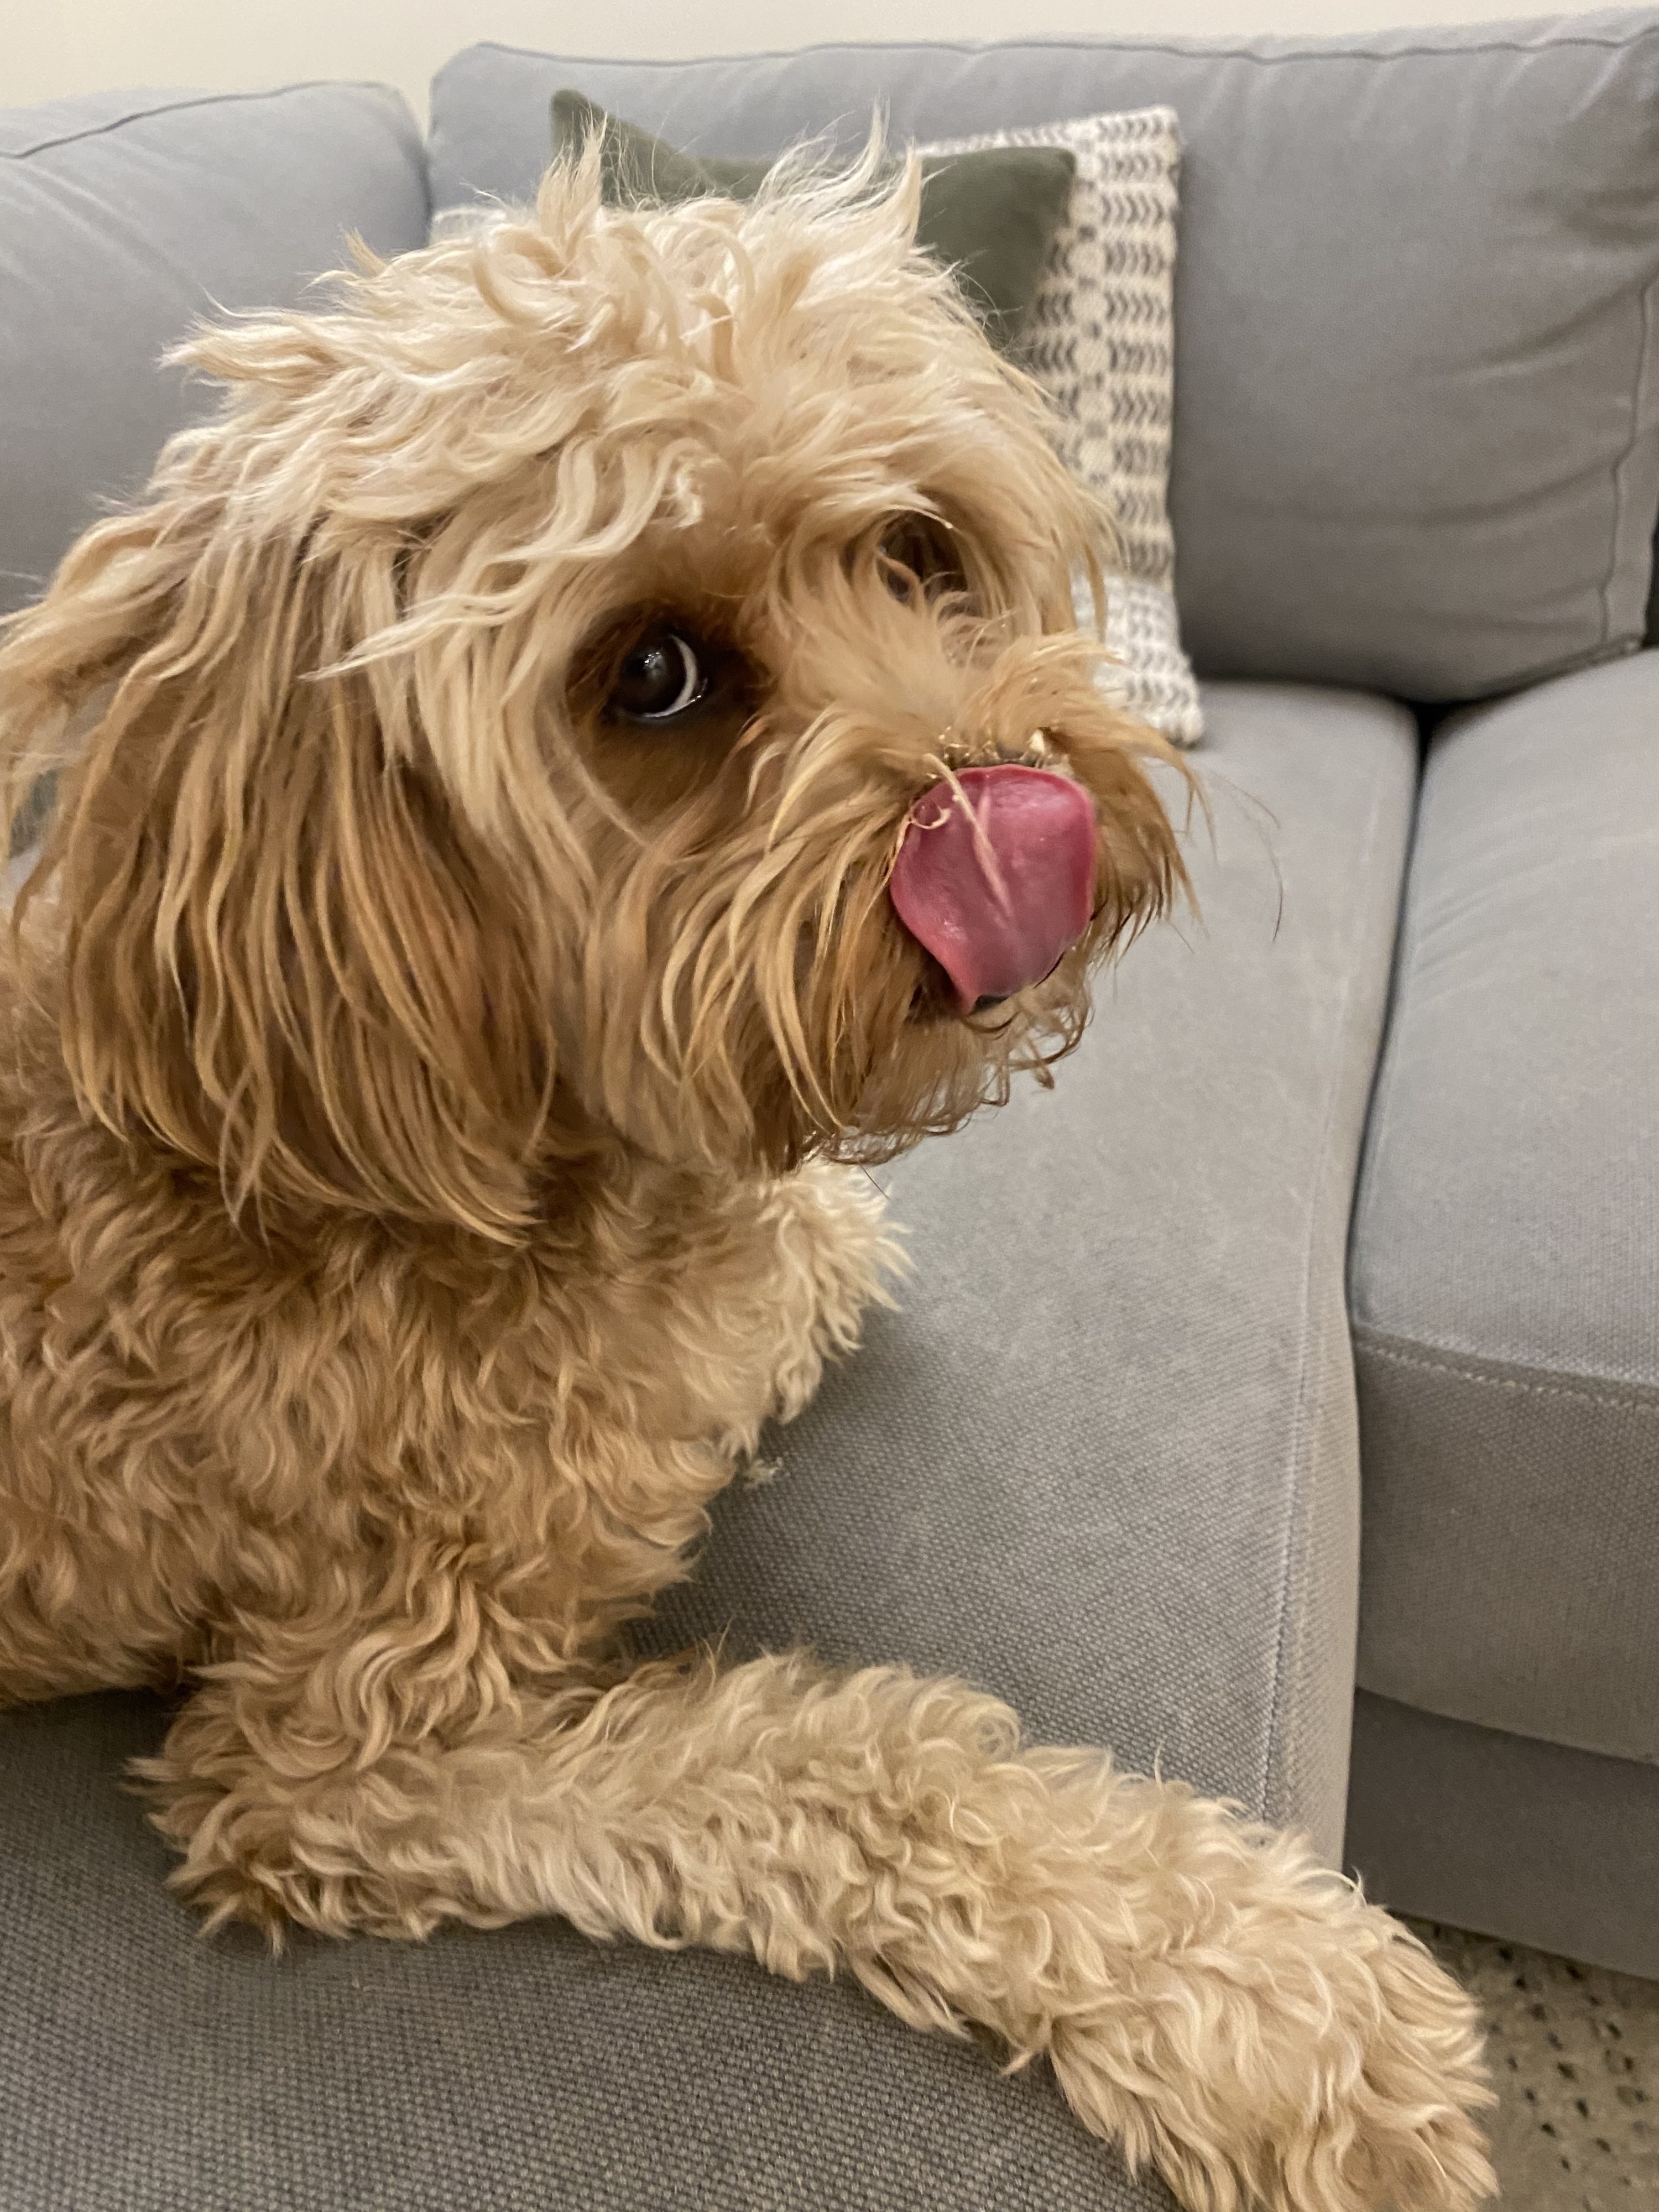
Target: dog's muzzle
(995, 876)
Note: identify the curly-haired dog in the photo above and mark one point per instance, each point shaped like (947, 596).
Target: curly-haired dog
(588, 742)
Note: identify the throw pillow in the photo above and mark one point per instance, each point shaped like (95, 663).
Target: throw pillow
(1101, 342)
(991, 216)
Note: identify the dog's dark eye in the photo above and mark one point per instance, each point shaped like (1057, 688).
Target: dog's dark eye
(660, 677)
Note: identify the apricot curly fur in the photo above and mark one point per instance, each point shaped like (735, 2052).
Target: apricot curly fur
(428, 1106)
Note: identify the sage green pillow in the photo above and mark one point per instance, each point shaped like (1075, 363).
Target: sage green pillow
(989, 215)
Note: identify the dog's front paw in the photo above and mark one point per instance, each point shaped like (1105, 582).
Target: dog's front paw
(1245, 2020)
(1408, 2079)
(1248, 2098)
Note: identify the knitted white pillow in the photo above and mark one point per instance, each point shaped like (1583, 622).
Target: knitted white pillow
(1101, 342)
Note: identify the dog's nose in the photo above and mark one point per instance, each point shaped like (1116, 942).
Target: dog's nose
(995, 876)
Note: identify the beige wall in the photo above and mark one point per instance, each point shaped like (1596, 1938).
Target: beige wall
(50, 47)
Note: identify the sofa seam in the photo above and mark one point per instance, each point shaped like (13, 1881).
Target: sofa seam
(1379, 1106)
(1195, 52)
(1620, 495)
(197, 100)
(1274, 1741)
(1629, 1400)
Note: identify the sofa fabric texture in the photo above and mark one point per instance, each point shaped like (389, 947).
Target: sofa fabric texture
(1412, 454)
(1102, 1460)
(1505, 1277)
(124, 217)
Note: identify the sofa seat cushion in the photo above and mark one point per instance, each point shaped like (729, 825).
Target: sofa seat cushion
(1505, 1277)
(1103, 1460)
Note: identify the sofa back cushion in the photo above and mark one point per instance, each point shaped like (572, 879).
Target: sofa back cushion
(126, 216)
(1417, 408)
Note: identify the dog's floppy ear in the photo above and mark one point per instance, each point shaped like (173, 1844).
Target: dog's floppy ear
(285, 955)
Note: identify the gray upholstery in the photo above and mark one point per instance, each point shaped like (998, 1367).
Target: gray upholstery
(125, 216)
(1505, 1278)
(1416, 406)
(1103, 1460)
(1507, 1835)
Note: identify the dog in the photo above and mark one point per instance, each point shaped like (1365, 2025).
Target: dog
(585, 752)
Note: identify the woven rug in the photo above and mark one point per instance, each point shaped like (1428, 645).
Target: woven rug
(1575, 2057)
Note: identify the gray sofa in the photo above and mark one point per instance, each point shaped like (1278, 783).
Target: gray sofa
(1277, 1400)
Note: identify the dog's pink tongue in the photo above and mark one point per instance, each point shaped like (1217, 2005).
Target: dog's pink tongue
(995, 876)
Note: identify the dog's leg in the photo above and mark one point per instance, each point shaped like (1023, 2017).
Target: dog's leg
(1208, 1996)
(827, 1257)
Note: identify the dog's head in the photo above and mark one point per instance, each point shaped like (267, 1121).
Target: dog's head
(613, 680)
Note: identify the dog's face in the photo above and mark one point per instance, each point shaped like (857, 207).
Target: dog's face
(614, 680)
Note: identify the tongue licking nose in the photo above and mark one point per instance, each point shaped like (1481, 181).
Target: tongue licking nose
(995, 876)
